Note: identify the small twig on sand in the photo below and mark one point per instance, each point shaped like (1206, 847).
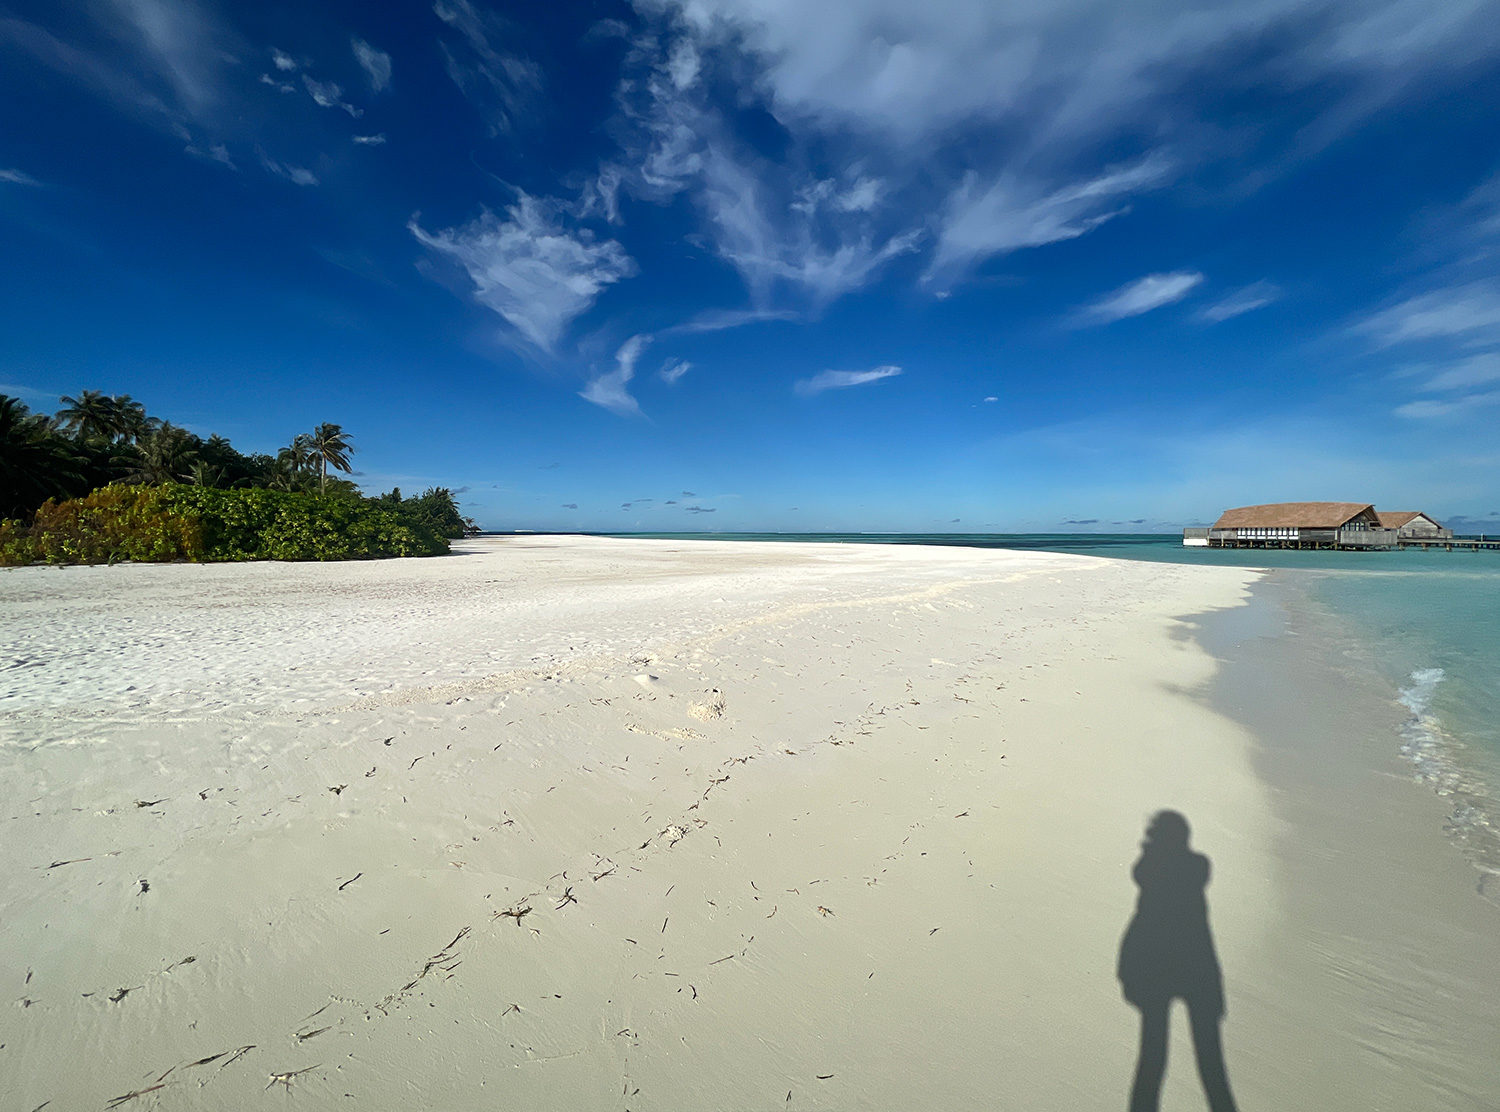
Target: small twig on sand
(567, 898)
(350, 881)
(117, 1101)
(286, 1078)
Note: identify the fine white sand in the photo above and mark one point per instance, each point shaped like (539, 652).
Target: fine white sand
(565, 823)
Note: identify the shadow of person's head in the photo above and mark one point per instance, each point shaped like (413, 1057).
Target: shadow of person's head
(1167, 832)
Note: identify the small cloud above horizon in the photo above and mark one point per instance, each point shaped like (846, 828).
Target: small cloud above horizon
(840, 380)
(1141, 296)
(1257, 295)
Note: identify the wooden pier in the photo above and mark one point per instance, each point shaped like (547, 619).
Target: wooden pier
(1461, 544)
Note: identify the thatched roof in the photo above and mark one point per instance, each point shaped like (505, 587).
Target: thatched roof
(1293, 515)
(1395, 519)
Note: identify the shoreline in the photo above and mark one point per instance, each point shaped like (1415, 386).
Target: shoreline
(697, 824)
(1385, 919)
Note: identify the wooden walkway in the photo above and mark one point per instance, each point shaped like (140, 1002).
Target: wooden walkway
(1470, 544)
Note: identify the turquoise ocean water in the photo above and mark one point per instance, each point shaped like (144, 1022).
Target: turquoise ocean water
(1428, 623)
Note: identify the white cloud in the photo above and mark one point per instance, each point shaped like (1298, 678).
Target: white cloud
(768, 252)
(1425, 408)
(992, 398)
(530, 269)
(279, 86)
(501, 83)
(1257, 295)
(838, 380)
(1013, 212)
(610, 390)
(1476, 370)
(298, 175)
(1141, 296)
(1066, 67)
(1468, 314)
(17, 177)
(720, 320)
(370, 140)
(328, 94)
(674, 369)
(282, 61)
(375, 63)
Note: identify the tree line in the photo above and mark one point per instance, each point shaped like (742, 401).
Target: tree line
(66, 479)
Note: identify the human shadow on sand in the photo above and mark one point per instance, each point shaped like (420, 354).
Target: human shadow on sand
(1168, 954)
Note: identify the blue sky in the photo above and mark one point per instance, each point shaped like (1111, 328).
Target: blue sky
(763, 264)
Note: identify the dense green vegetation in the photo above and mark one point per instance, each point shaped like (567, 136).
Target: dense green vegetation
(101, 481)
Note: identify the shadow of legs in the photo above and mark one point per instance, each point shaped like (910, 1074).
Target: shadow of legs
(1210, 1052)
(1145, 1094)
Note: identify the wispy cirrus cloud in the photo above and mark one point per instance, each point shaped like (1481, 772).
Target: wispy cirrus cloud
(673, 370)
(1257, 295)
(329, 94)
(611, 390)
(982, 220)
(297, 175)
(375, 63)
(531, 268)
(840, 380)
(1466, 315)
(790, 233)
(17, 177)
(1141, 296)
(1460, 387)
(500, 82)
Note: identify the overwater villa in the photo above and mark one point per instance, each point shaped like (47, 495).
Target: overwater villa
(1356, 525)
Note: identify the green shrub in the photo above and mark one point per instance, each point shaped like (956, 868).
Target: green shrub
(289, 525)
(203, 523)
(110, 524)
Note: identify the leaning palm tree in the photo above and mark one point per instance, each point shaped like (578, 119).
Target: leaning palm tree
(329, 447)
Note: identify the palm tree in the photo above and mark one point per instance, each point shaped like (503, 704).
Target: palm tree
(35, 463)
(167, 455)
(90, 416)
(329, 446)
(131, 423)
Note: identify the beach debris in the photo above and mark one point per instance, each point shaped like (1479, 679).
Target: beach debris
(371, 772)
(824, 911)
(338, 789)
(313, 1034)
(389, 740)
(117, 1101)
(149, 802)
(519, 912)
(823, 1076)
(286, 1077)
(74, 861)
(120, 994)
(726, 957)
(512, 1008)
(351, 880)
(566, 898)
(414, 761)
(145, 886)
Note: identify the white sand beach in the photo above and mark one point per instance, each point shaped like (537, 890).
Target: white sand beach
(572, 823)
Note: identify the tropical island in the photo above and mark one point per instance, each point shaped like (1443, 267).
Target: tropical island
(102, 481)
